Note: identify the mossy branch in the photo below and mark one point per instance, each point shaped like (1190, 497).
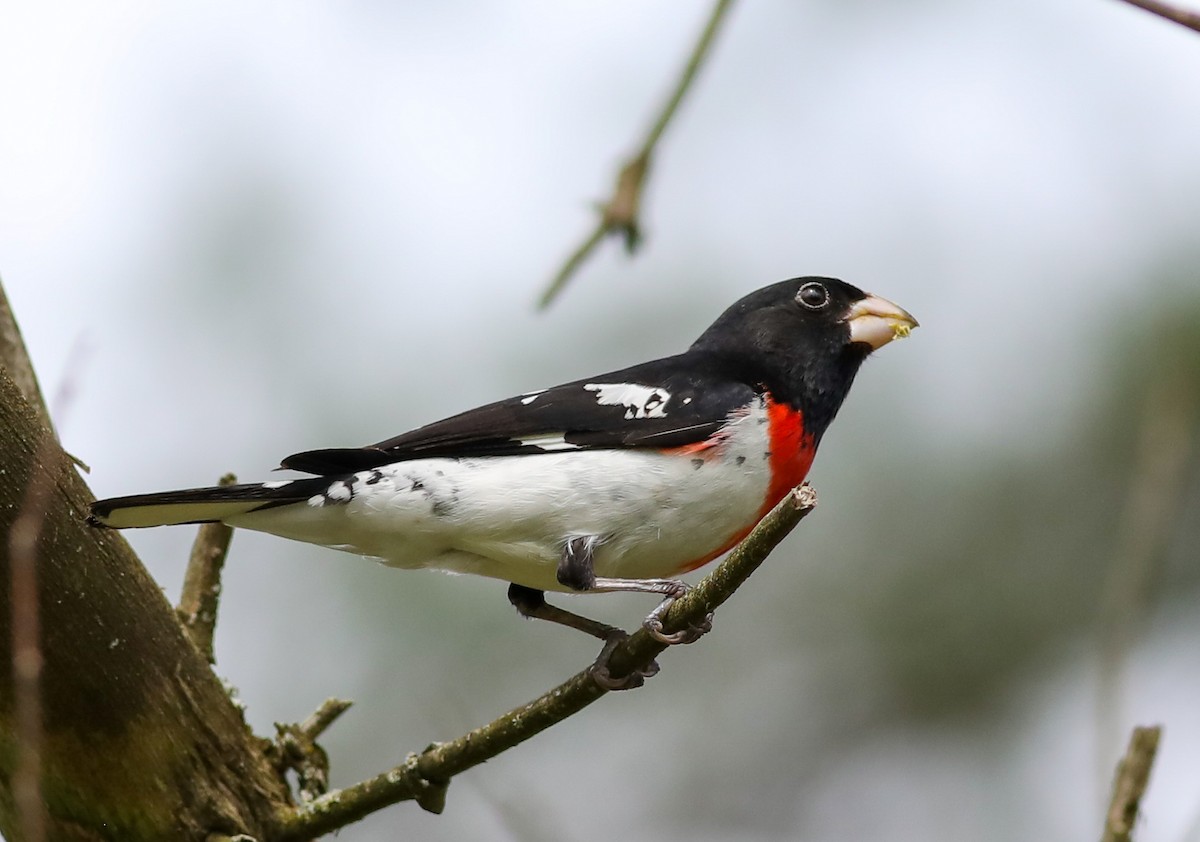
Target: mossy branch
(424, 777)
(146, 744)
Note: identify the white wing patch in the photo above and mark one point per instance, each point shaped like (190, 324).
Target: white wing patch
(530, 397)
(548, 442)
(639, 401)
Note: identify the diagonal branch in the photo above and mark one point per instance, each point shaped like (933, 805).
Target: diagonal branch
(118, 678)
(1172, 13)
(22, 545)
(619, 215)
(27, 656)
(1132, 778)
(425, 777)
(15, 357)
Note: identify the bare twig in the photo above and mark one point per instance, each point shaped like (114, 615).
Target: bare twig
(425, 777)
(1132, 777)
(202, 582)
(1153, 506)
(1172, 13)
(324, 716)
(619, 215)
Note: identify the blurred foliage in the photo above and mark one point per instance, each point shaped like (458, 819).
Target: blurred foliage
(980, 566)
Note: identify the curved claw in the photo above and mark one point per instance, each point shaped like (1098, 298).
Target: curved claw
(691, 634)
(601, 675)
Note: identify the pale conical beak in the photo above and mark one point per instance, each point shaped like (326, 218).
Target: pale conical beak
(876, 321)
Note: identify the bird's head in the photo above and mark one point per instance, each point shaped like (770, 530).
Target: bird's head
(804, 340)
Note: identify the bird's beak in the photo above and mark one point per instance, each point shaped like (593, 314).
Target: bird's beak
(876, 321)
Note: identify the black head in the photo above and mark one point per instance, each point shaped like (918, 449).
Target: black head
(804, 340)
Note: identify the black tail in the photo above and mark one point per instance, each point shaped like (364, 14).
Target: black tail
(201, 505)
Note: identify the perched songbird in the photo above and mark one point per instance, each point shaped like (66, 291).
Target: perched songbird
(616, 482)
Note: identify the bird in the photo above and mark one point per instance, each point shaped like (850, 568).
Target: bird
(621, 481)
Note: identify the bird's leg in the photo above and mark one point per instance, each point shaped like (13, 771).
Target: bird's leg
(576, 570)
(577, 564)
(530, 602)
(671, 589)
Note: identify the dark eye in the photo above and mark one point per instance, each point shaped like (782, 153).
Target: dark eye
(814, 296)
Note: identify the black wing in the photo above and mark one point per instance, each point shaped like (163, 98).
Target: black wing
(667, 403)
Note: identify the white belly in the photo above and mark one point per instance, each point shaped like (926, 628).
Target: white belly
(510, 517)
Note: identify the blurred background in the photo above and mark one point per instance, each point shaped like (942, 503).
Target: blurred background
(246, 230)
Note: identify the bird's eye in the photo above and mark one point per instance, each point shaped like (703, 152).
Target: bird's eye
(814, 296)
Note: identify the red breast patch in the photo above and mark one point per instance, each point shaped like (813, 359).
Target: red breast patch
(792, 451)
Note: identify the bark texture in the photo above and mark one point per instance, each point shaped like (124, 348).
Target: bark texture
(141, 740)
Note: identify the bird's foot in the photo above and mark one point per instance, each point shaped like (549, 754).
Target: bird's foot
(691, 634)
(601, 675)
(654, 625)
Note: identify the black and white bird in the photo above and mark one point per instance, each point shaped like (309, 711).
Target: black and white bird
(616, 482)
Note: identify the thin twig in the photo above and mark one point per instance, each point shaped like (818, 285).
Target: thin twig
(1132, 777)
(1172, 13)
(324, 716)
(620, 214)
(202, 582)
(425, 777)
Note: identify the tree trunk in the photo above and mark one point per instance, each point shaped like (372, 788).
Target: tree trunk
(141, 740)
